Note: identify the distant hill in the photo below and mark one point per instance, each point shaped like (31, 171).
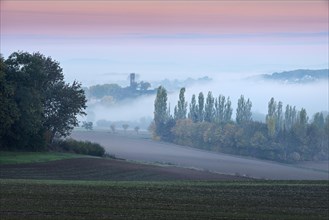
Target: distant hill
(298, 76)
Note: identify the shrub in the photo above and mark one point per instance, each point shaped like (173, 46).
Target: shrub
(295, 156)
(81, 147)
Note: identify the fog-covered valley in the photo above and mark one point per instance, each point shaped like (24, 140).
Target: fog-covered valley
(313, 96)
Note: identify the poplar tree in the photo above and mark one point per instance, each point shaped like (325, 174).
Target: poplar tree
(290, 117)
(302, 118)
(181, 108)
(243, 111)
(193, 113)
(279, 117)
(209, 108)
(318, 119)
(228, 111)
(271, 118)
(200, 107)
(160, 107)
(220, 109)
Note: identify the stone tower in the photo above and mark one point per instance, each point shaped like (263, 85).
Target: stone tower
(132, 80)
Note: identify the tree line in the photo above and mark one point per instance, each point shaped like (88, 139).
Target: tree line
(115, 93)
(36, 104)
(287, 134)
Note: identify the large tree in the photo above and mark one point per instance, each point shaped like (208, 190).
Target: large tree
(63, 103)
(8, 108)
(47, 106)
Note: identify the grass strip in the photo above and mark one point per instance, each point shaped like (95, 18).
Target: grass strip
(8, 157)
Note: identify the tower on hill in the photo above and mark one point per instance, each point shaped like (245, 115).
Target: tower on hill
(132, 80)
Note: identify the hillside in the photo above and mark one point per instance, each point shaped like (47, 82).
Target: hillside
(141, 149)
(298, 76)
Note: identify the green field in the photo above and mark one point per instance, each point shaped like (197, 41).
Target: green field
(76, 189)
(45, 199)
(8, 157)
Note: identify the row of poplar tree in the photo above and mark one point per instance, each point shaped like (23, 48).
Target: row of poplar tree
(287, 135)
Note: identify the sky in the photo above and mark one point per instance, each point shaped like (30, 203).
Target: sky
(103, 41)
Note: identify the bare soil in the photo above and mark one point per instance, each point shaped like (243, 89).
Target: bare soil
(183, 200)
(105, 169)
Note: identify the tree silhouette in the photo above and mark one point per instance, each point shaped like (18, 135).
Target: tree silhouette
(136, 129)
(125, 127)
(112, 128)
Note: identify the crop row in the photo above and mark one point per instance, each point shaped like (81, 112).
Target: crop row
(183, 200)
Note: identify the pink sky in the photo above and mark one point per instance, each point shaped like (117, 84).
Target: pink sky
(99, 42)
(174, 38)
(95, 18)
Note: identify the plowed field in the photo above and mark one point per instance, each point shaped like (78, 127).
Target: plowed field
(104, 169)
(37, 199)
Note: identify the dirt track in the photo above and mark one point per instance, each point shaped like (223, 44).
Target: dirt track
(138, 149)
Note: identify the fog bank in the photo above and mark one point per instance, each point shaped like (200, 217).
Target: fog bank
(311, 96)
